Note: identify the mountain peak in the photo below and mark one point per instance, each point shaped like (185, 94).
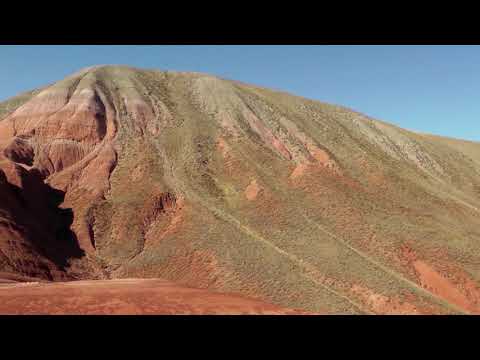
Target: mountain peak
(118, 172)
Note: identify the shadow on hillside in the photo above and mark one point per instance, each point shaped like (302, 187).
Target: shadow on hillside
(48, 226)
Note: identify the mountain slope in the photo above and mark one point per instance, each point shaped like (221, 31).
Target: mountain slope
(222, 185)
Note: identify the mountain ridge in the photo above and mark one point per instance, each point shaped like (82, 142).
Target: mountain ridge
(26, 93)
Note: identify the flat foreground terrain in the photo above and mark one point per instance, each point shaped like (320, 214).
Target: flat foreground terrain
(124, 297)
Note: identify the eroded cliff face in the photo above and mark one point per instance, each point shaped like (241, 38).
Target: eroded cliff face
(35, 234)
(117, 172)
(57, 149)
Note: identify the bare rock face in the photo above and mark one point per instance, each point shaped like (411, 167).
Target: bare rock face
(35, 235)
(66, 131)
(117, 173)
(20, 151)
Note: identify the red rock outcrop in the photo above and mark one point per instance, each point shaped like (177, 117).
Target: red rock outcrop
(60, 142)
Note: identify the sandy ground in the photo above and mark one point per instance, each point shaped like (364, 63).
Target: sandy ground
(124, 296)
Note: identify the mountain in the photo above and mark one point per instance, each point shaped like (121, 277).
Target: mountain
(116, 172)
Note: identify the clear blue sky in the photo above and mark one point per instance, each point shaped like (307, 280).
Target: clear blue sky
(433, 89)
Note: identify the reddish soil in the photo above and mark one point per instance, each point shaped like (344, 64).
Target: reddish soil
(381, 304)
(126, 297)
(298, 171)
(252, 190)
(266, 135)
(443, 287)
(458, 289)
